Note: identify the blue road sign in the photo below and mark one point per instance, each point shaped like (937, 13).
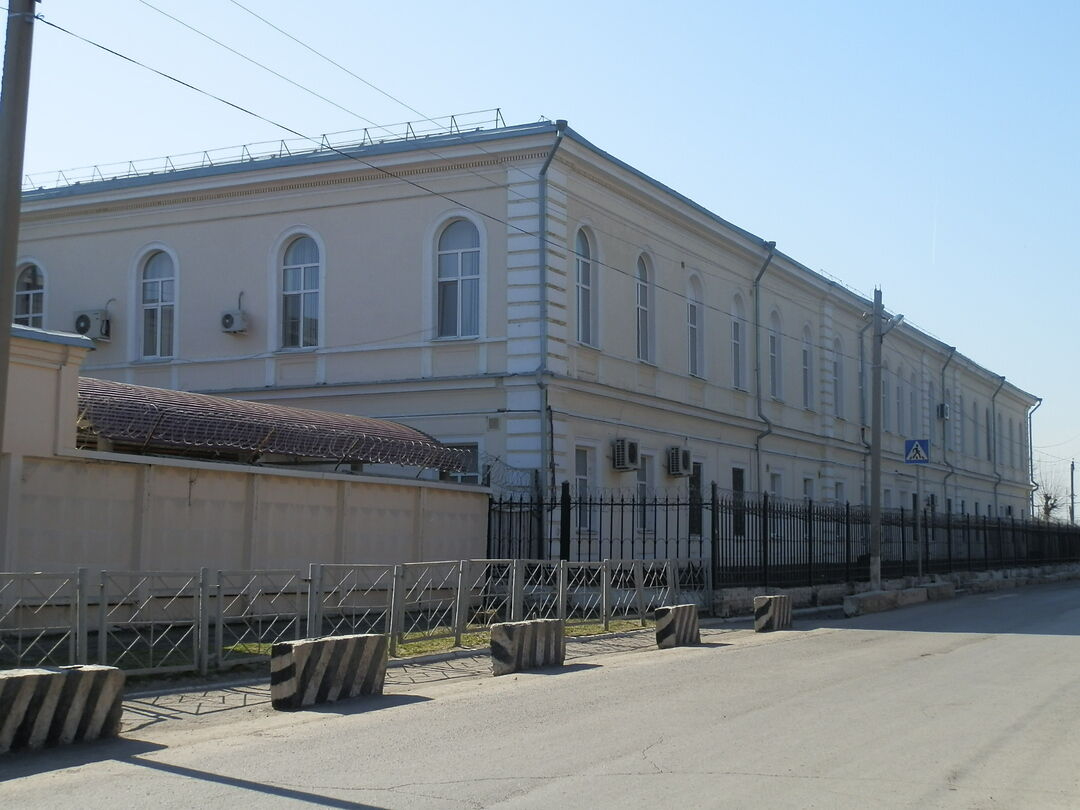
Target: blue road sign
(917, 451)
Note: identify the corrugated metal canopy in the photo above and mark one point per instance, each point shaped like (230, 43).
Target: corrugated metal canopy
(156, 418)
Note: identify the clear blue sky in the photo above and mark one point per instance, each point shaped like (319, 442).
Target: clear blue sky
(929, 148)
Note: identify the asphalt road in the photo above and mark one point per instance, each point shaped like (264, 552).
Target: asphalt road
(972, 703)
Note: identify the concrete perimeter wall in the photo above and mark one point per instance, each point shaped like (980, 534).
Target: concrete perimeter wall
(63, 507)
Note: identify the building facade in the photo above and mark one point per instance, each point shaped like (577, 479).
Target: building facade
(518, 292)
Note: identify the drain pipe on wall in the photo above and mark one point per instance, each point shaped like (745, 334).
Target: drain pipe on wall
(945, 432)
(997, 441)
(1031, 457)
(547, 456)
(756, 292)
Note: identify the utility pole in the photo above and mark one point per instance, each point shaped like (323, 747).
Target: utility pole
(1072, 492)
(875, 446)
(14, 94)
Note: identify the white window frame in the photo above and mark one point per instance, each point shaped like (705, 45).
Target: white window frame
(644, 310)
(695, 329)
(838, 378)
(157, 309)
(583, 483)
(807, 371)
(738, 345)
(776, 356)
(585, 263)
(36, 295)
(304, 293)
(459, 281)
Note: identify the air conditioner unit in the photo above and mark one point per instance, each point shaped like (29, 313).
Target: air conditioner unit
(678, 461)
(94, 323)
(943, 410)
(234, 321)
(625, 455)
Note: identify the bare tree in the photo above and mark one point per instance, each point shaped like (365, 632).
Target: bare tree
(1052, 496)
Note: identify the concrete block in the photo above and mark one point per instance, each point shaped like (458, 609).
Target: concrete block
(46, 706)
(937, 591)
(677, 626)
(517, 646)
(322, 670)
(910, 596)
(870, 602)
(772, 613)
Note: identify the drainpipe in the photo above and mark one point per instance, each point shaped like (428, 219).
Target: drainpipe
(993, 432)
(1031, 457)
(547, 457)
(756, 292)
(944, 433)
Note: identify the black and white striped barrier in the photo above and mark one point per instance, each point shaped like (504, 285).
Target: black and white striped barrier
(516, 646)
(772, 613)
(677, 626)
(49, 706)
(322, 670)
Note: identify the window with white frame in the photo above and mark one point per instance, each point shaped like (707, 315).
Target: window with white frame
(913, 407)
(158, 295)
(30, 297)
(458, 259)
(899, 402)
(738, 345)
(838, 378)
(961, 423)
(582, 477)
(644, 304)
(989, 437)
(646, 511)
(808, 488)
(300, 290)
(839, 492)
(586, 290)
(807, 370)
(695, 330)
(471, 472)
(776, 484)
(974, 428)
(1012, 444)
(999, 443)
(776, 357)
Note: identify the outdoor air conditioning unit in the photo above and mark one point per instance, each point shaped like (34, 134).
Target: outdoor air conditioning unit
(678, 461)
(943, 411)
(625, 455)
(94, 323)
(234, 321)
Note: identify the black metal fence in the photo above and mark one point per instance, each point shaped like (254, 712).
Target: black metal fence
(753, 540)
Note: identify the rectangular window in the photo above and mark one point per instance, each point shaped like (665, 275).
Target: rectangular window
(886, 498)
(737, 371)
(471, 473)
(774, 365)
(807, 382)
(808, 488)
(840, 497)
(646, 511)
(582, 474)
(776, 485)
(693, 338)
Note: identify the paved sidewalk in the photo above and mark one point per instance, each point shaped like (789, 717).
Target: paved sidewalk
(143, 710)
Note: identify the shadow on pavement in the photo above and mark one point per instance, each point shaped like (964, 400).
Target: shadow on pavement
(18, 764)
(247, 784)
(363, 704)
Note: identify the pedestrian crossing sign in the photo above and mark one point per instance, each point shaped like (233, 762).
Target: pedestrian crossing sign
(917, 451)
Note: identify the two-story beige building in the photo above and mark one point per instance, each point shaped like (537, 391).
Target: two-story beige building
(521, 292)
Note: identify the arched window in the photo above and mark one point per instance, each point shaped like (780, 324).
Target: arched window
(776, 357)
(899, 401)
(695, 329)
(807, 369)
(300, 289)
(738, 344)
(158, 283)
(586, 290)
(838, 378)
(30, 297)
(644, 304)
(459, 280)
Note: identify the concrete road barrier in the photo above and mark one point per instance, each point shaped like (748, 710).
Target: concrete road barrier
(517, 646)
(772, 613)
(322, 670)
(46, 706)
(677, 626)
